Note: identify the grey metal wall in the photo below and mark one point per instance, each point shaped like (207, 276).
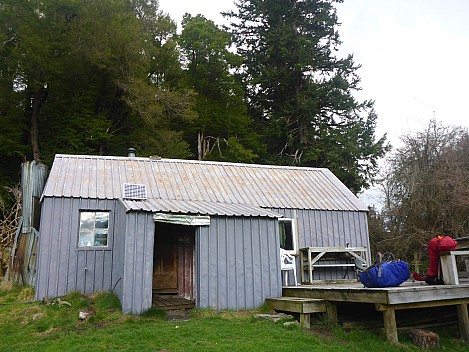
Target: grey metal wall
(237, 262)
(118, 255)
(124, 267)
(237, 258)
(62, 267)
(323, 228)
(138, 262)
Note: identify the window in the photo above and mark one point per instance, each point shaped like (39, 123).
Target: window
(288, 235)
(94, 229)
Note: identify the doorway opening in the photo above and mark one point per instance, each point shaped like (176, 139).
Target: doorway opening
(173, 266)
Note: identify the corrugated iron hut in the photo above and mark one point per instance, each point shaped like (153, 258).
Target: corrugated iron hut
(206, 231)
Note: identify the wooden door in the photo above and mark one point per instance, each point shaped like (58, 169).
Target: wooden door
(173, 261)
(165, 263)
(186, 263)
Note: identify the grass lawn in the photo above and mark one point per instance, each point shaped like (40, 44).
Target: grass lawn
(56, 327)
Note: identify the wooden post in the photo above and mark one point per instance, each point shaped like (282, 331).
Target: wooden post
(416, 263)
(331, 311)
(390, 327)
(463, 320)
(425, 339)
(302, 268)
(449, 268)
(305, 320)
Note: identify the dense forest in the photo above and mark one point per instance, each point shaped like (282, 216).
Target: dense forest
(98, 77)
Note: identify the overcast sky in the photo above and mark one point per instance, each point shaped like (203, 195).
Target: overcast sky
(414, 56)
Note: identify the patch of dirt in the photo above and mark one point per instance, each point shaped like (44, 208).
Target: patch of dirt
(321, 331)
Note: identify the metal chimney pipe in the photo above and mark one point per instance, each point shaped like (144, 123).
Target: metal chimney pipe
(131, 152)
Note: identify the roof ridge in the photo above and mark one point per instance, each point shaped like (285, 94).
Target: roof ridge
(191, 161)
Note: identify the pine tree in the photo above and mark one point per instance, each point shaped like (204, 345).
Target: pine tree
(301, 95)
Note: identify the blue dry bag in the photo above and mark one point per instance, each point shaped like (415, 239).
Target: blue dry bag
(385, 274)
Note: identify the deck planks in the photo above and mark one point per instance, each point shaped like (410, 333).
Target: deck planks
(409, 295)
(172, 302)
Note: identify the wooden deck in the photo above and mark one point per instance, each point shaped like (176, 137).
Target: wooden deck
(172, 302)
(409, 295)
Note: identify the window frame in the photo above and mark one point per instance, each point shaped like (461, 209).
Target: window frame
(108, 235)
(294, 231)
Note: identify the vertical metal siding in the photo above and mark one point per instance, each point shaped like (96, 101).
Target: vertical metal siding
(117, 279)
(322, 228)
(237, 262)
(138, 262)
(62, 267)
(237, 258)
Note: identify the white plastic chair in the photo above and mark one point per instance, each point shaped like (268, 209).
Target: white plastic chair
(287, 263)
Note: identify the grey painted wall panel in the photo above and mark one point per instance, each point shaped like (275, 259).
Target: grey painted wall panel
(231, 280)
(128, 277)
(146, 239)
(117, 258)
(213, 265)
(222, 270)
(201, 265)
(230, 271)
(138, 258)
(248, 265)
(270, 271)
(256, 260)
(238, 262)
(323, 228)
(236, 258)
(89, 271)
(319, 228)
(61, 265)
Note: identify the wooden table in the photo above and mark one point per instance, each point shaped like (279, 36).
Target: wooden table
(449, 267)
(310, 257)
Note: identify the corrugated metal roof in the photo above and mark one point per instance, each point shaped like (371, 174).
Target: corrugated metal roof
(196, 207)
(263, 186)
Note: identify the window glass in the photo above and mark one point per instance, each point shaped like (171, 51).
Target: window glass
(86, 239)
(102, 220)
(100, 238)
(87, 220)
(94, 229)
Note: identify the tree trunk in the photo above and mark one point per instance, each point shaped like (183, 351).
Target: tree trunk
(36, 103)
(425, 339)
(200, 146)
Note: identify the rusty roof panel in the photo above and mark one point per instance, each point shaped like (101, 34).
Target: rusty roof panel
(263, 186)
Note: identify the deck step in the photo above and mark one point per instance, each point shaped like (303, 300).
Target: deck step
(297, 304)
(172, 302)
